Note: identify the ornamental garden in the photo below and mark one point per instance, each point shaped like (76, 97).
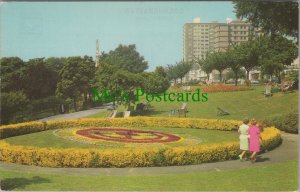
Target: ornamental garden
(134, 142)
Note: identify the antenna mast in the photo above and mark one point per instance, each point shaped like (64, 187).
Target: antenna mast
(97, 53)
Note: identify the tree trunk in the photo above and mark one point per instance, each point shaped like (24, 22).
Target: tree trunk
(75, 105)
(85, 97)
(247, 74)
(279, 78)
(236, 78)
(207, 76)
(220, 75)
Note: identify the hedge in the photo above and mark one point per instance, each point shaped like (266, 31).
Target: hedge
(288, 122)
(142, 157)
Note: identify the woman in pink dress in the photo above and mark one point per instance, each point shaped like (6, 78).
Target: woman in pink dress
(254, 141)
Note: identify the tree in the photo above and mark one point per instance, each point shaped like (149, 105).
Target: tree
(178, 71)
(113, 83)
(276, 18)
(182, 68)
(171, 73)
(38, 80)
(249, 54)
(205, 66)
(278, 53)
(234, 62)
(11, 72)
(218, 61)
(55, 63)
(160, 71)
(155, 82)
(76, 78)
(11, 104)
(125, 57)
(236, 75)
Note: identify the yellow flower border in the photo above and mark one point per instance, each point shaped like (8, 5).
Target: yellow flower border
(143, 157)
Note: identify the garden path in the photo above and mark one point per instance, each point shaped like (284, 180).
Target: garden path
(75, 115)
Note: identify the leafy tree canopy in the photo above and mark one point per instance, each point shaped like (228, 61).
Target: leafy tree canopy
(55, 63)
(38, 80)
(11, 71)
(76, 78)
(279, 17)
(125, 57)
(11, 104)
(179, 70)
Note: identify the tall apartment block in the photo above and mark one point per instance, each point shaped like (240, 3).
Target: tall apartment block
(201, 38)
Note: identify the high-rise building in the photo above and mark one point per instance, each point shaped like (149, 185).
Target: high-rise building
(198, 40)
(202, 38)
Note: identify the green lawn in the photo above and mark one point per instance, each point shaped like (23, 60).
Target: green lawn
(191, 137)
(274, 177)
(240, 104)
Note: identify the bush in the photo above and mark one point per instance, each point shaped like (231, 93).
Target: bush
(21, 129)
(287, 123)
(11, 104)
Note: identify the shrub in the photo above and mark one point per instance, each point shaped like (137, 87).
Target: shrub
(21, 129)
(287, 123)
(11, 104)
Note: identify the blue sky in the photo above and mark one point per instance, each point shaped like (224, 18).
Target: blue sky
(44, 29)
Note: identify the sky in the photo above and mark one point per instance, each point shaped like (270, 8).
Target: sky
(56, 29)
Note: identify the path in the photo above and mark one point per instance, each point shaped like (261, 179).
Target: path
(288, 150)
(75, 115)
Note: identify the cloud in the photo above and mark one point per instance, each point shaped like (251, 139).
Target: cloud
(228, 20)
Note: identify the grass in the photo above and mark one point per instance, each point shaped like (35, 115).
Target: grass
(274, 177)
(191, 137)
(240, 104)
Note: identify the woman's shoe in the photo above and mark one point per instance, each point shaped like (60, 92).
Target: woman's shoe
(253, 159)
(241, 158)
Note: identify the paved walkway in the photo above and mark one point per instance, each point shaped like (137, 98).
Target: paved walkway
(288, 150)
(75, 115)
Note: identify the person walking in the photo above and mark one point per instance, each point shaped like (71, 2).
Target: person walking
(244, 138)
(254, 141)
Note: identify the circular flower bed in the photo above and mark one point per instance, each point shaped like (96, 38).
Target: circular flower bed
(131, 157)
(128, 135)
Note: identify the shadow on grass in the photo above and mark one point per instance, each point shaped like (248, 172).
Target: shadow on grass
(20, 183)
(262, 159)
(149, 113)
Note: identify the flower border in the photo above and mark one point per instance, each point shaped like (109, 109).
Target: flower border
(142, 157)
